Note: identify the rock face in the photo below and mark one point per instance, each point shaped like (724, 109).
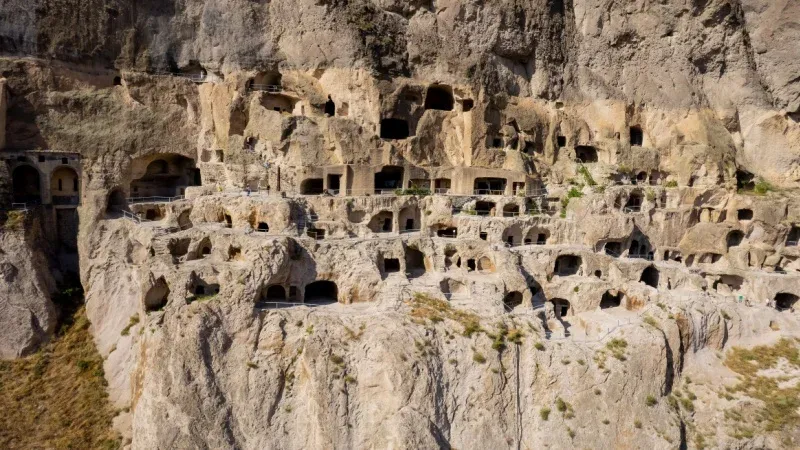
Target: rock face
(27, 316)
(407, 224)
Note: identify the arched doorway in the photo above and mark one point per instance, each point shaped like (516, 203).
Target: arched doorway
(650, 277)
(785, 301)
(276, 293)
(561, 307)
(322, 292)
(65, 186)
(512, 300)
(116, 201)
(26, 185)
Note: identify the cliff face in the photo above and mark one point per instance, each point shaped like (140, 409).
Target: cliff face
(27, 316)
(604, 192)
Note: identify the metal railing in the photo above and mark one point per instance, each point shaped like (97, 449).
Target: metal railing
(272, 88)
(641, 256)
(131, 216)
(632, 209)
(19, 207)
(136, 200)
(489, 192)
(791, 243)
(283, 305)
(195, 78)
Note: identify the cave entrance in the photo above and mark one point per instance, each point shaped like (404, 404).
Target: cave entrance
(567, 265)
(611, 300)
(440, 97)
(637, 136)
(785, 301)
(276, 293)
(734, 238)
(390, 178)
(744, 214)
(745, 180)
(490, 186)
(586, 154)
(415, 262)
(561, 307)
(449, 232)
(634, 203)
(164, 175)
(512, 300)
(394, 129)
(650, 277)
(793, 238)
(26, 185)
(485, 209)
(334, 183)
(312, 186)
(322, 293)
(156, 297)
(615, 248)
(391, 265)
(442, 185)
(330, 107)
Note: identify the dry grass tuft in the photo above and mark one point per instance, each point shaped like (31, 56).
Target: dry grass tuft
(780, 404)
(424, 307)
(57, 399)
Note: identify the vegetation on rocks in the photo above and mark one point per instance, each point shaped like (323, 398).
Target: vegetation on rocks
(56, 398)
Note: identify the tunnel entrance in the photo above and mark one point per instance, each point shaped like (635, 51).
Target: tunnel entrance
(567, 265)
(116, 201)
(439, 96)
(512, 300)
(392, 129)
(312, 186)
(785, 301)
(276, 293)
(561, 307)
(650, 277)
(330, 107)
(610, 300)
(322, 293)
(637, 136)
(156, 297)
(165, 175)
(734, 238)
(586, 154)
(389, 178)
(26, 185)
(490, 186)
(415, 262)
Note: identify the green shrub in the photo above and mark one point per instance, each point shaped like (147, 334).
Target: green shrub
(762, 187)
(478, 358)
(574, 193)
(650, 401)
(672, 184)
(131, 323)
(587, 176)
(544, 413)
